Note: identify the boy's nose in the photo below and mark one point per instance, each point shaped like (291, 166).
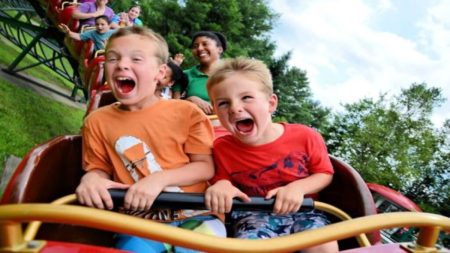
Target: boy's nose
(123, 64)
(235, 107)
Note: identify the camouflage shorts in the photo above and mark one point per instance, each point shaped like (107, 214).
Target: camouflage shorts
(260, 225)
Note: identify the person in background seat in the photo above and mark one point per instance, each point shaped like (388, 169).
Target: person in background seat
(207, 47)
(88, 11)
(127, 18)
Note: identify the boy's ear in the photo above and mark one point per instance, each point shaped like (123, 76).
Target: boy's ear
(161, 73)
(273, 103)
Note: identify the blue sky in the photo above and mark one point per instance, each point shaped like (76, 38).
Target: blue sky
(352, 49)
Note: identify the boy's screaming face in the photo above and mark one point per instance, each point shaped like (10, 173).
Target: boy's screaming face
(132, 71)
(243, 108)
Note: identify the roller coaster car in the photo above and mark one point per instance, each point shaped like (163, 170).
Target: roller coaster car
(53, 170)
(87, 53)
(98, 99)
(94, 73)
(64, 15)
(389, 200)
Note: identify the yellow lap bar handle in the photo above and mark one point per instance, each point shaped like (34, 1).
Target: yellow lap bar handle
(111, 221)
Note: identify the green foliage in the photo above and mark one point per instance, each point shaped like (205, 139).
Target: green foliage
(245, 24)
(393, 142)
(27, 119)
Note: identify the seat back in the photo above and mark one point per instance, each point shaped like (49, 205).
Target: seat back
(98, 99)
(349, 192)
(48, 172)
(95, 74)
(65, 16)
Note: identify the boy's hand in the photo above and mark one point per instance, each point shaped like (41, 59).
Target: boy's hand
(141, 195)
(219, 197)
(93, 189)
(288, 199)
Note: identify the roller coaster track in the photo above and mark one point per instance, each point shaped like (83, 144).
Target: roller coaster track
(26, 25)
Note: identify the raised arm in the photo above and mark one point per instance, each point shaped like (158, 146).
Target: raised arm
(65, 29)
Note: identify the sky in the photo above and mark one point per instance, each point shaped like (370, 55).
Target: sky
(355, 49)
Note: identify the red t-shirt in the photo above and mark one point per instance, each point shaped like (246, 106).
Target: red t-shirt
(255, 170)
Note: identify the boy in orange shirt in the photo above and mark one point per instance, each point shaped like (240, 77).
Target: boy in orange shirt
(143, 143)
(262, 158)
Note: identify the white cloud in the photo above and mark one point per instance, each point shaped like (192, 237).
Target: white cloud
(349, 53)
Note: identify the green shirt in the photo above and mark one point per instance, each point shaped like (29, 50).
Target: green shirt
(196, 85)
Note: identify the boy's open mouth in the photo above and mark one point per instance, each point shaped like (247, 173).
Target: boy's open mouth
(125, 84)
(245, 125)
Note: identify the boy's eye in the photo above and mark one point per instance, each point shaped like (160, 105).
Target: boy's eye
(222, 103)
(111, 58)
(247, 97)
(137, 59)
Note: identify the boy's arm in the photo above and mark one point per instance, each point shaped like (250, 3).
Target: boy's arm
(93, 189)
(201, 168)
(68, 32)
(290, 197)
(140, 196)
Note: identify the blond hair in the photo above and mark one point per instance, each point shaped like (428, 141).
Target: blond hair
(161, 50)
(247, 66)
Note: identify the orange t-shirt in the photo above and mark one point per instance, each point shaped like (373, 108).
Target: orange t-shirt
(130, 145)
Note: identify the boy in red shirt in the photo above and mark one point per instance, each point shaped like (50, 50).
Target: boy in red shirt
(263, 158)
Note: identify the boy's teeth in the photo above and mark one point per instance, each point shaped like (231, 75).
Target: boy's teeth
(123, 78)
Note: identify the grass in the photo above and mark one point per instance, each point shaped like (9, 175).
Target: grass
(27, 119)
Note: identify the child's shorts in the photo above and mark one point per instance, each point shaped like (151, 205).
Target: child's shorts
(261, 225)
(210, 225)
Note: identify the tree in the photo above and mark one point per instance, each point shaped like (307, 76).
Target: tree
(295, 97)
(245, 24)
(394, 143)
(433, 187)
